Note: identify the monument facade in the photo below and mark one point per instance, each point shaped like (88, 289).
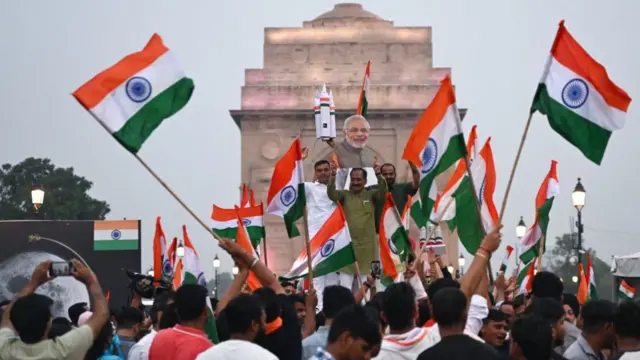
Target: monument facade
(333, 49)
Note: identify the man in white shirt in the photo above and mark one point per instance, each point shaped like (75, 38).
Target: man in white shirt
(246, 320)
(319, 208)
(140, 351)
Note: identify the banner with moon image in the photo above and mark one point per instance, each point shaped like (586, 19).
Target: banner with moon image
(108, 247)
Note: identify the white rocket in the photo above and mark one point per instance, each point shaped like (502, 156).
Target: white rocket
(325, 114)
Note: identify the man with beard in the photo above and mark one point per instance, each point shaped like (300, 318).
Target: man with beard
(359, 207)
(353, 151)
(246, 321)
(399, 191)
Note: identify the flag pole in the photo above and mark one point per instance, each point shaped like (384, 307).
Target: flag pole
(540, 251)
(264, 248)
(308, 246)
(175, 196)
(515, 165)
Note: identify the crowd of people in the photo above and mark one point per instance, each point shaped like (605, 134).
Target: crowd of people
(427, 313)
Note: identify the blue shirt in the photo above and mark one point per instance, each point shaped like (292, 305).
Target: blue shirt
(317, 340)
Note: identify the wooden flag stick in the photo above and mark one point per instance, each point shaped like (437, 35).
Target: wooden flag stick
(513, 169)
(308, 246)
(175, 196)
(264, 247)
(540, 250)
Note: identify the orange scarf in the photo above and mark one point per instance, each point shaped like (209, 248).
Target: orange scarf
(273, 326)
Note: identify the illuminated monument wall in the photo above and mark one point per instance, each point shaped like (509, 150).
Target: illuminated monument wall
(277, 100)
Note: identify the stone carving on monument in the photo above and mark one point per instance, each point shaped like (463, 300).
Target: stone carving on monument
(333, 49)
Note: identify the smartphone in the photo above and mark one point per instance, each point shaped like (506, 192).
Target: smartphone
(438, 249)
(60, 268)
(375, 268)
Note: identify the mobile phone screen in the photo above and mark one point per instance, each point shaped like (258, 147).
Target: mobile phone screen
(60, 268)
(375, 268)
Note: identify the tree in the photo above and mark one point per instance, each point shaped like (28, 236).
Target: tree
(557, 261)
(224, 282)
(65, 198)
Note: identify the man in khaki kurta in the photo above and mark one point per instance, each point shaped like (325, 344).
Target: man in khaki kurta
(359, 207)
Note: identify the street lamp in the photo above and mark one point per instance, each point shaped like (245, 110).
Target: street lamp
(216, 265)
(578, 198)
(450, 268)
(234, 271)
(37, 196)
(180, 250)
(150, 272)
(521, 229)
(461, 262)
(574, 279)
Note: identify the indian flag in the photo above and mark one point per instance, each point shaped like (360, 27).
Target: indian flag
(436, 142)
(286, 196)
(591, 279)
(131, 98)
(242, 238)
(416, 211)
(225, 222)
(529, 245)
(162, 264)
(363, 103)
(581, 103)
(192, 273)
(393, 242)
(505, 260)
(525, 278)
(471, 229)
(115, 235)
(331, 249)
(406, 214)
(444, 207)
(626, 291)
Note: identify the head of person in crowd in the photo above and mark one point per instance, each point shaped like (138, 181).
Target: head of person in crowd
(322, 171)
(388, 172)
(508, 308)
(289, 287)
(358, 178)
(160, 302)
(271, 303)
(571, 307)
(129, 322)
(75, 311)
(626, 325)
(546, 284)
(169, 317)
(377, 302)
(597, 326)
(246, 318)
(436, 286)
(334, 299)
(551, 311)
(4, 304)
(191, 305)
(424, 313)
(531, 339)
(495, 327)
(300, 306)
(356, 131)
(101, 343)
(31, 317)
(449, 309)
(399, 309)
(354, 335)
(519, 304)
(59, 327)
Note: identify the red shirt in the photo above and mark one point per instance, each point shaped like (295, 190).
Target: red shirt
(179, 342)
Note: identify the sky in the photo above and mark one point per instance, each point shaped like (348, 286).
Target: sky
(497, 50)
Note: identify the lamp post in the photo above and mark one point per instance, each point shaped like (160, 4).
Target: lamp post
(521, 231)
(461, 262)
(180, 250)
(578, 198)
(234, 271)
(37, 198)
(574, 279)
(216, 265)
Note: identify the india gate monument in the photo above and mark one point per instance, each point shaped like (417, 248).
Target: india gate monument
(333, 49)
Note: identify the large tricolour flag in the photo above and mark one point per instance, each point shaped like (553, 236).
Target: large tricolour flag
(444, 207)
(193, 274)
(133, 97)
(525, 278)
(286, 196)
(529, 245)
(162, 264)
(331, 249)
(436, 143)
(471, 229)
(225, 222)
(363, 102)
(582, 104)
(393, 242)
(242, 238)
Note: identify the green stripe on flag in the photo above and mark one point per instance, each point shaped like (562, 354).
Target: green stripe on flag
(588, 137)
(115, 245)
(365, 105)
(469, 225)
(140, 126)
(295, 212)
(456, 149)
(256, 233)
(417, 216)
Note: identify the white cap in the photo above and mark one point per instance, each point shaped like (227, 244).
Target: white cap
(84, 317)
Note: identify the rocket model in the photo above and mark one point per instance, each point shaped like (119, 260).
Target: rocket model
(325, 114)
